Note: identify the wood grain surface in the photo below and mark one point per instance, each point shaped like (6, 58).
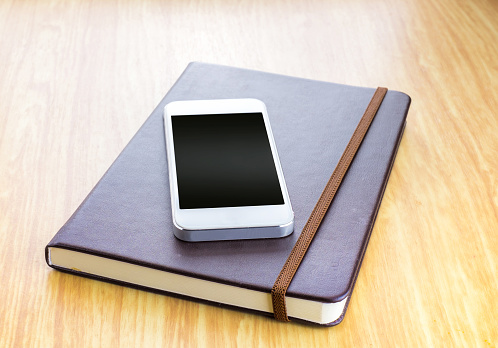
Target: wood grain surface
(78, 78)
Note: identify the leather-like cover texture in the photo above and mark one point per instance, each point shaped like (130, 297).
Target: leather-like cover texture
(127, 216)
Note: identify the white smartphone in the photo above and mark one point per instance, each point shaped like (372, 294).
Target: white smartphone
(225, 177)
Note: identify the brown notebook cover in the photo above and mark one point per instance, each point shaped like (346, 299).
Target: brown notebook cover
(122, 232)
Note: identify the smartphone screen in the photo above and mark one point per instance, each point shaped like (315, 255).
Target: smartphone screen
(224, 160)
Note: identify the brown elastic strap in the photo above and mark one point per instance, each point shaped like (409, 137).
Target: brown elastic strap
(297, 254)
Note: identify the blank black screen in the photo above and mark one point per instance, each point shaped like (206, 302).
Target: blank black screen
(224, 160)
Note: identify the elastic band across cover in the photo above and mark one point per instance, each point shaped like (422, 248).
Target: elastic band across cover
(297, 254)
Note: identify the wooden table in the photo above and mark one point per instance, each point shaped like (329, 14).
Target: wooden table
(78, 78)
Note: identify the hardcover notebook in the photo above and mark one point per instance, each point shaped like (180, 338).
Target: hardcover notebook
(123, 232)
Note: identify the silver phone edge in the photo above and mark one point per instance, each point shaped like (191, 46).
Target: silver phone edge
(233, 233)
